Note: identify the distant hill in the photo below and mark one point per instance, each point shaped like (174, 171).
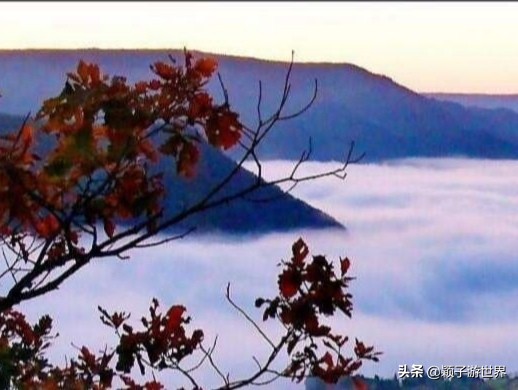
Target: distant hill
(509, 101)
(385, 119)
(417, 383)
(284, 212)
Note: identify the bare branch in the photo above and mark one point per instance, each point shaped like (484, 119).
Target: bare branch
(248, 318)
(223, 88)
(224, 378)
(259, 102)
(168, 239)
(205, 356)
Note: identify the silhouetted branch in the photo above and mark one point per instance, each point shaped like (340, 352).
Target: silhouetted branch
(168, 239)
(248, 318)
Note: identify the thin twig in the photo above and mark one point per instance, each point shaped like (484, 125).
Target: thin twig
(248, 318)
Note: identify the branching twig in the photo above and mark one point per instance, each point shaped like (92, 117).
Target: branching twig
(248, 318)
(168, 239)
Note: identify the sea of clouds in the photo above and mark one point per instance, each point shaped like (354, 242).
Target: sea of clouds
(433, 244)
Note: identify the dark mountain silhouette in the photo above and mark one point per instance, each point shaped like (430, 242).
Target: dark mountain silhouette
(283, 212)
(492, 101)
(267, 209)
(385, 119)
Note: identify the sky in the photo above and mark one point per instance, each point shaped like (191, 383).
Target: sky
(428, 47)
(432, 244)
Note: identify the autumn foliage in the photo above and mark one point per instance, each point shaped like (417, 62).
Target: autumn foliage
(83, 162)
(103, 131)
(308, 291)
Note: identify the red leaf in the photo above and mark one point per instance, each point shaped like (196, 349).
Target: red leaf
(230, 129)
(344, 265)
(223, 129)
(48, 226)
(200, 106)
(118, 319)
(289, 283)
(286, 316)
(154, 385)
(88, 357)
(205, 66)
(174, 317)
(165, 71)
(197, 336)
(95, 74)
(311, 323)
(328, 360)
(109, 227)
(82, 70)
(300, 251)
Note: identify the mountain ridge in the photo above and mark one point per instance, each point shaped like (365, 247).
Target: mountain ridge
(480, 100)
(385, 119)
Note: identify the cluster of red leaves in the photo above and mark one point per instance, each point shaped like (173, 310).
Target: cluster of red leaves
(22, 345)
(22, 348)
(309, 290)
(105, 134)
(17, 181)
(162, 344)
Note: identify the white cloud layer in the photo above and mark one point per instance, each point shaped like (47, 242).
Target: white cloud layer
(433, 244)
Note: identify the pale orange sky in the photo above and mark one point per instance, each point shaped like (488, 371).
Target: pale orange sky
(457, 47)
